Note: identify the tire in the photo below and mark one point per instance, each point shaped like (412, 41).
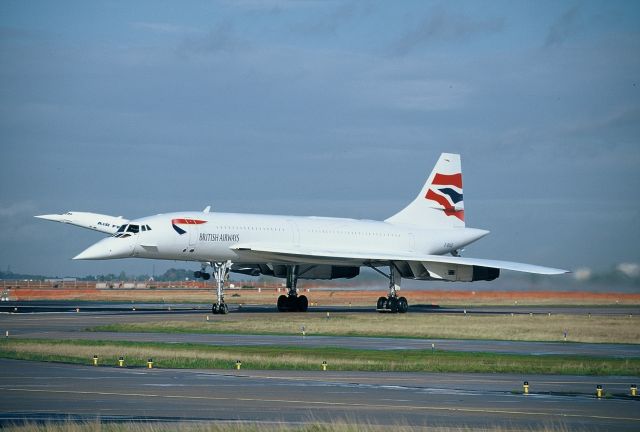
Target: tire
(206, 276)
(303, 303)
(292, 303)
(214, 309)
(403, 305)
(197, 274)
(224, 309)
(392, 305)
(282, 303)
(381, 303)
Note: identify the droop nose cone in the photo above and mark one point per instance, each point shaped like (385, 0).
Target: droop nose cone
(109, 248)
(51, 217)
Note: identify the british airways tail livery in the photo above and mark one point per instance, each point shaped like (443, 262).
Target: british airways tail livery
(422, 241)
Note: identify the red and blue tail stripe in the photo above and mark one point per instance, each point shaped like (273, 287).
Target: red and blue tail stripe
(447, 197)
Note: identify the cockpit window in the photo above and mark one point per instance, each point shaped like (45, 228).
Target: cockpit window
(133, 228)
(127, 229)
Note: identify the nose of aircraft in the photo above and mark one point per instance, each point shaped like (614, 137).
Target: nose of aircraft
(52, 217)
(108, 248)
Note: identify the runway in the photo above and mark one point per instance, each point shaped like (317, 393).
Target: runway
(33, 391)
(38, 391)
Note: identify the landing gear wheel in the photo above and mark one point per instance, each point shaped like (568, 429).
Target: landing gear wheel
(392, 304)
(221, 309)
(282, 303)
(197, 274)
(292, 303)
(381, 303)
(403, 305)
(206, 276)
(303, 303)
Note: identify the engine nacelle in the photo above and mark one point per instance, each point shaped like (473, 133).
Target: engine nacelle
(452, 272)
(308, 271)
(485, 273)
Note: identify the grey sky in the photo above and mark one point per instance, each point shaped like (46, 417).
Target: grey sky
(324, 108)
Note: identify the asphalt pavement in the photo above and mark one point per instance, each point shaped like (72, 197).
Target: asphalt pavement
(34, 391)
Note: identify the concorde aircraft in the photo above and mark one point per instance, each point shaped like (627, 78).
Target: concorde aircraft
(423, 241)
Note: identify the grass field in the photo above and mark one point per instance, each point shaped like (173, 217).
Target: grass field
(295, 358)
(541, 327)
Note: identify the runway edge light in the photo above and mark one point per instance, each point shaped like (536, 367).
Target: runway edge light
(525, 387)
(633, 390)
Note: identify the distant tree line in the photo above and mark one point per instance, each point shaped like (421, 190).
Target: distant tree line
(612, 276)
(170, 275)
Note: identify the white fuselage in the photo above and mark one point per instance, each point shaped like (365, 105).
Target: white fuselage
(215, 237)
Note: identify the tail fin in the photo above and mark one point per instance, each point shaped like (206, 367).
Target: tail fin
(439, 204)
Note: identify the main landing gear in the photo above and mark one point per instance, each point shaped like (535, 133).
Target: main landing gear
(221, 274)
(392, 303)
(292, 302)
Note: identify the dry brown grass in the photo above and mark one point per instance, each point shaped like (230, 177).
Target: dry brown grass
(335, 297)
(540, 327)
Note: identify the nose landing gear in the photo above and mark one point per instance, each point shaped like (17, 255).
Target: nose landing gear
(221, 274)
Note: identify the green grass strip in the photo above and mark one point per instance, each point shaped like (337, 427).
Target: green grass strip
(196, 356)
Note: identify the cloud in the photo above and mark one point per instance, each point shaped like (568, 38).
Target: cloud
(338, 17)
(415, 94)
(17, 209)
(269, 6)
(440, 25)
(563, 27)
(220, 38)
(161, 27)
